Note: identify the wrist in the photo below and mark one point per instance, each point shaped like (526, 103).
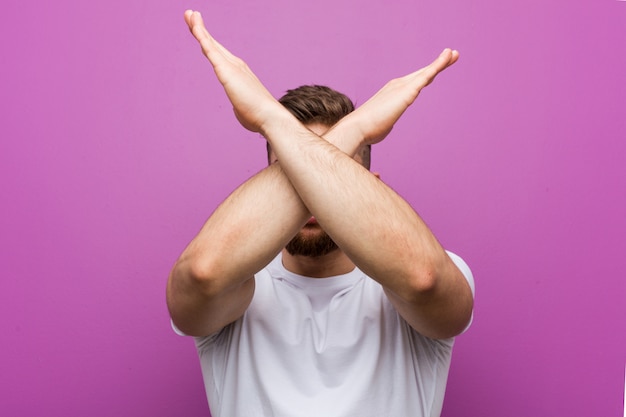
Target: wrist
(280, 121)
(346, 135)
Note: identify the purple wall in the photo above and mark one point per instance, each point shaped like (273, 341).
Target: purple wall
(116, 143)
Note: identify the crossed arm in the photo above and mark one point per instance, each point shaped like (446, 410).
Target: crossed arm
(212, 283)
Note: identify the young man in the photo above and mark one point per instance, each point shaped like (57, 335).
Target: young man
(314, 289)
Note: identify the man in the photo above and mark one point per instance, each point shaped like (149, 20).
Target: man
(314, 289)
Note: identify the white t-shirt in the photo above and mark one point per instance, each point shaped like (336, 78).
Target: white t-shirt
(329, 347)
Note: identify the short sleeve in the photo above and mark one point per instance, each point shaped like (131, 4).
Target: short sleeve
(176, 329)
(467, 273)
(465, 269)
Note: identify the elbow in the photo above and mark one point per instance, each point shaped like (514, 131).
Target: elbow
(427, 275)
(422, 282)
(197, 274)
(199, 270)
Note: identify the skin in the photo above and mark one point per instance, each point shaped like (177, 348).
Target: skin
(212, 283)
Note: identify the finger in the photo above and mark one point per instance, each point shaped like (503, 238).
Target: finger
(443, 61)
(426, 75)
(210, 46)
(193, 20)
(187, 16)
(196, 25)
(432, 69)
(454, 57)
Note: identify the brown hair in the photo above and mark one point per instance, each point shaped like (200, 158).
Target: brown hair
(320, 104)
(317, 104)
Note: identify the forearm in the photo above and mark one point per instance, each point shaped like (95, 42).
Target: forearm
(255, 222)
(372, 224)
(211, 284)
(248, 229)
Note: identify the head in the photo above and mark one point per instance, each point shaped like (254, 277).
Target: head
(320, 107)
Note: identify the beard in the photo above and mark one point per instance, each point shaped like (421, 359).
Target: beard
(304, 244)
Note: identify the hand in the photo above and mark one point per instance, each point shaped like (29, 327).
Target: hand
(254, 106)
(376, 117)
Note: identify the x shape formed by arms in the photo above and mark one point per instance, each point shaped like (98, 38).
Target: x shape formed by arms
(211, 285)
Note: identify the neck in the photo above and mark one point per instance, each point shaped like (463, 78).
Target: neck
(329, 265)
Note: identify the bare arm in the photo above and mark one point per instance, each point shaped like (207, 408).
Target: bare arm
(378, 230)
(356, 210)
(353, 207)
(212, 282)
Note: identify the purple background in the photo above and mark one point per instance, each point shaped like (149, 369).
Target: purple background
(117, 143)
